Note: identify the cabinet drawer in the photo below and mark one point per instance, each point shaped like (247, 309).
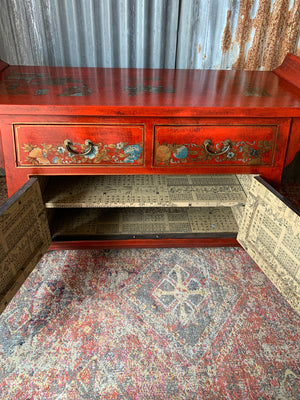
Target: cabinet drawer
(79, 144)
(192, 145)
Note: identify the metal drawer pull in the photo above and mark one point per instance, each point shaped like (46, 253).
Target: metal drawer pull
(68, 143)
(207, 144)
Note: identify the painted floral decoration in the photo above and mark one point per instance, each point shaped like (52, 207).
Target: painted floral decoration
(250, 153)
(48, 154)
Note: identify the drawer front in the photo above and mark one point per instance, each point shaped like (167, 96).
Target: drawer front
(88, 144)
(193, 145)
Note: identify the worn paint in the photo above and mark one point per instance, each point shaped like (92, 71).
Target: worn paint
(40, 84)
(146, 88)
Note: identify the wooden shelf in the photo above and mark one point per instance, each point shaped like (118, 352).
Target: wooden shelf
(128, 223)
(144, 191)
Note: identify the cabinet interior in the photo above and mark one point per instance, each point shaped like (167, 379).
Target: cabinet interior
(144, 206)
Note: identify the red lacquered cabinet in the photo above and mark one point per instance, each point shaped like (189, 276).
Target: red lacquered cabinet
(149, 158)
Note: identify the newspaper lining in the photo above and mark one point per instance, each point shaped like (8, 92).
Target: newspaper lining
(24, 237)
(144, 191)
(270, 233)
(132, 221)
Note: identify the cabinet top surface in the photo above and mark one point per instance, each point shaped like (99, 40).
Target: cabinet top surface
(137, 91)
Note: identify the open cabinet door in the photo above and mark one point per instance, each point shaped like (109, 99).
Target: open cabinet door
(270, 233)
(24, 238)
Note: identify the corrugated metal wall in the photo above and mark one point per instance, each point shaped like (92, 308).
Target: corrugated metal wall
(210, 34)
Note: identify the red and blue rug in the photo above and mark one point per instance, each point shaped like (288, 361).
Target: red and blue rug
(149, 324)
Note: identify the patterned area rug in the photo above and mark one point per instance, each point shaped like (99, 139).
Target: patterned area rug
(149, 324)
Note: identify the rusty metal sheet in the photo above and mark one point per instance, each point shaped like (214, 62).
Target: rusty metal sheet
(232, 34)
(209, 34)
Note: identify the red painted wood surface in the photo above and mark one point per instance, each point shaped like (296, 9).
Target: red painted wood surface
(17, 175)
(1, 154)
(38, 105)
(145, 243)
(294, 142)
(184, 145)
(144, 92)
(289, 70)
(119, 144)
(3, 65)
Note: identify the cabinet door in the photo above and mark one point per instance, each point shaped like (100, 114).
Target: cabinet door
(270, 233)
(24, 238)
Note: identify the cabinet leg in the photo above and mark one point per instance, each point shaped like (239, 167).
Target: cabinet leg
(14, 183)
